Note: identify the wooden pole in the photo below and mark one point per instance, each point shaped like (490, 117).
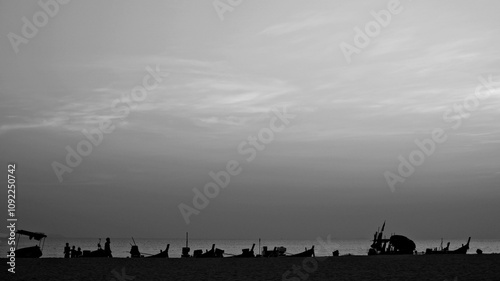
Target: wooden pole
(259, 247)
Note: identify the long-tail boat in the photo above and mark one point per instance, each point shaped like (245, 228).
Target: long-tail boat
(33, 251)
(135, 253)
(276, 252)
(246, 253)
(306, 253)
(99, 253)
(161, 254)
(462, 250)
(213, 253)
(134, 250)
(185, 250)
(395, 245)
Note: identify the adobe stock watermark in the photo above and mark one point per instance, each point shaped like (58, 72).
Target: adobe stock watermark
(427, 147)
(220, 180)
(362, 39)
(49, 9)
(223, 6)
(309, 265)
(94, 137)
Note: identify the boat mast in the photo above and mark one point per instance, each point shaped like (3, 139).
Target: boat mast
(43, 244)
(17, 241)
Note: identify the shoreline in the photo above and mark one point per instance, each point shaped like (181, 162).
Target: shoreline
(229, 257)
(348, 267)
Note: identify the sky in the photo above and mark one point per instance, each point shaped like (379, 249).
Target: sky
(224, 75)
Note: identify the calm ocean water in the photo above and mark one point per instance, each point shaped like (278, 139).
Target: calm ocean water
(121, 246)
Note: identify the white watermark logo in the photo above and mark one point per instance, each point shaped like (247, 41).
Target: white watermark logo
(223, 6)
(40, 18)
(427, 147)
(221, 179)
(94, 137)
(362, 39)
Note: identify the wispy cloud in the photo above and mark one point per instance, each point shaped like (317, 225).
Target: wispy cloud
(230, 120)
(32, 124)
(311, 20)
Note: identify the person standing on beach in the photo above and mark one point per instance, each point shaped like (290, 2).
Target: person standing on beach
(73, 252)
(66, 251)
(79, 252)
(107, 248)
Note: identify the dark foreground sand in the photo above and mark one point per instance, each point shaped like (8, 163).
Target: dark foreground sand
(458, 267)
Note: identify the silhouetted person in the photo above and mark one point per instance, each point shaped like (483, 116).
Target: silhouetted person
(66, 251)
(99, 245)
(73, 252)
(79, 252)
(107, 248)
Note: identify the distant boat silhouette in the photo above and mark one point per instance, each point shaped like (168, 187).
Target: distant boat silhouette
(276, 252)
(161, 254)
(395, 245)
(246, 253)
(305, 254)
(462, 250)
(213, 253)
(135, 253)
(99, 253)
(185, 250)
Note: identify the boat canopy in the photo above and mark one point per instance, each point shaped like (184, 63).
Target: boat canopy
(37, 235)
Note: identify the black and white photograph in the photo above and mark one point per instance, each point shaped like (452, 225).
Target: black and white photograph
(250, 140)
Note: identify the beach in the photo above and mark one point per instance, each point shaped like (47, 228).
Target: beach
(417, 267)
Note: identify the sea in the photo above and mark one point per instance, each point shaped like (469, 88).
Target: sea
(54, 247)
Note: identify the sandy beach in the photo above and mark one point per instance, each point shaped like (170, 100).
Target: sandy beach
(451, 267)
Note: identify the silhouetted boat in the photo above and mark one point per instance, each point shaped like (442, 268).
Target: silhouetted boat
(135, 253)
(462, 250)
(306, 253)
(161, 254)
(134, 250)
(246, 253)
(395, 245)
(213, 253)
(185, 250)
(99, 253)
(276, 252)
(33, 251)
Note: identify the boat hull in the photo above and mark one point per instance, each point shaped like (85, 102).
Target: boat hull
(305, 254)
(460, 251)
(163, 254)
(94, 254)
(29, 252)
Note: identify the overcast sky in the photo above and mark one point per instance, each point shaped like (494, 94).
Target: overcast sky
(220, 79)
